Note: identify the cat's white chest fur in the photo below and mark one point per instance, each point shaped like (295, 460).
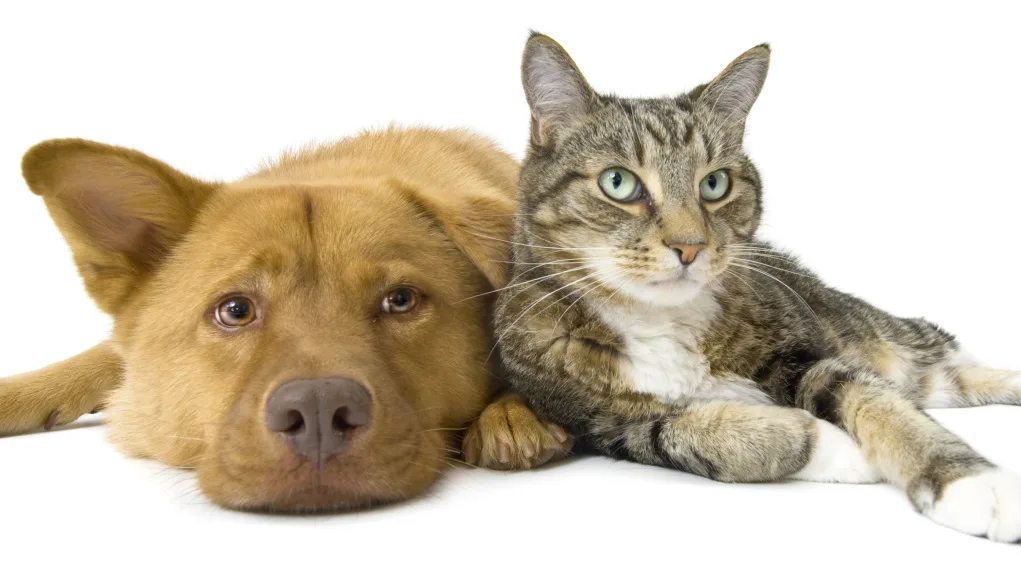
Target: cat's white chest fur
(662, 356)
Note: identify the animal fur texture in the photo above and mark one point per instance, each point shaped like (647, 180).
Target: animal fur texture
(317, 242)
(655, 326)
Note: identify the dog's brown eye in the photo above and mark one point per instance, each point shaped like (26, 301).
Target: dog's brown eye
(235, 312)
(400, 300)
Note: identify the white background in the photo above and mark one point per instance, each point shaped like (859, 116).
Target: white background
(887, 138)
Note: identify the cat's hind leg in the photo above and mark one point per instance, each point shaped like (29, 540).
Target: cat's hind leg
(961, 384)
(930, 369)
(944, 478)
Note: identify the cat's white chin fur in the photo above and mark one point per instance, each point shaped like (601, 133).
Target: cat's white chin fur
(986, 504)
(836, 458)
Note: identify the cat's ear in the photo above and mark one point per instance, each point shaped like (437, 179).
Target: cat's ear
(733, 92)
(120, 211)
(557, 93)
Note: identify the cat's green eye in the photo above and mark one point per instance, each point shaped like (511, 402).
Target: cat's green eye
(620, 185)
(715, 185)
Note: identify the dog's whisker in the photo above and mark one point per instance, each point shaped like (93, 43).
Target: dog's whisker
(444, 429)
(186, 438)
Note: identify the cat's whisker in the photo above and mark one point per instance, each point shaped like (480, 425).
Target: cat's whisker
(530, 282)
(798, 296)
(631, 137)
(753, 249)
(585, 262)
(561, 248)
(546, 240)
(599, 284)
(573, 292)
(764, 265)
(564, 261)
(766, 255)
(582, 288)
(757, 247)
(510, 327)
(540, 265)
(635, 136)
(737, 276)
(537, 265)
(620, 287)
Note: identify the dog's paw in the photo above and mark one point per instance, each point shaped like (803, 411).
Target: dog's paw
(986, 504)
(509, 436)
(25, 409)
(60, 393)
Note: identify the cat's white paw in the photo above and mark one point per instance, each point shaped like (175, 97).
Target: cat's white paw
(837, 458)
(987, 504)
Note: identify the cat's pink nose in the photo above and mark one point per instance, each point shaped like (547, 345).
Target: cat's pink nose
(687, 252)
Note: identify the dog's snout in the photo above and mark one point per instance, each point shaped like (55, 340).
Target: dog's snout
(317, 416)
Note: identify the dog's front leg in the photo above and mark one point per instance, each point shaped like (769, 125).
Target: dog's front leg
(508, 436)
(60, 393)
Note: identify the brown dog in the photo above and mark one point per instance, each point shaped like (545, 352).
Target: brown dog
(309, 337)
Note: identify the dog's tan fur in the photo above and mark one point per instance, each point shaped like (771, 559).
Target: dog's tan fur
(316, 241)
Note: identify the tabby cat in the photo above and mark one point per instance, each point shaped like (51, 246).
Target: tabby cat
(646, 318)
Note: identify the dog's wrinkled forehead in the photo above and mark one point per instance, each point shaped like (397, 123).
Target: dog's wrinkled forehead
(328, 237)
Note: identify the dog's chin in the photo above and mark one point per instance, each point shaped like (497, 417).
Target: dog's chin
(311, 491)
(309, 499)
(273, 483)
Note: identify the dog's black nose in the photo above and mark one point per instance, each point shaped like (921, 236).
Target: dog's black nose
(316, 416)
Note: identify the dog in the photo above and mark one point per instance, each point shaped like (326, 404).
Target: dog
(311, 337)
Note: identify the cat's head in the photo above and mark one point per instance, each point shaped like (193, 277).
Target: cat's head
(650, 199)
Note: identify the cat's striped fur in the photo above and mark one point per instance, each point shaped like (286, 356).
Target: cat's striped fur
(738, 366)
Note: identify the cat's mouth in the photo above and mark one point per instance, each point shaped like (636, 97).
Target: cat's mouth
(678, 276)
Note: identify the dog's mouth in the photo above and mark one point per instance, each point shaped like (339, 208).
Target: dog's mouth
(382, 465)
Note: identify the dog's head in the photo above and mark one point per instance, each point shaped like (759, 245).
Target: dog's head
(304, 344)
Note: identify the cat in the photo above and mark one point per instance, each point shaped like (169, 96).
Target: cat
(646, 318)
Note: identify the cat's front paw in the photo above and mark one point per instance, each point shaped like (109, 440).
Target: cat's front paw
(986, 504)
(836, 458)
(509, 436)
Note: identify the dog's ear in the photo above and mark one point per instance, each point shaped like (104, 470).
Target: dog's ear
(480, 222)
(119, 210)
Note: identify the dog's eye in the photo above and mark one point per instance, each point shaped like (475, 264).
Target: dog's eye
(235, 312)
(400, 300)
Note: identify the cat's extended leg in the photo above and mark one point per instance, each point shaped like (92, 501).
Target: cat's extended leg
(729, 441)
(60, 393)
(944, 478)
(507, 436)
(968, 385)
